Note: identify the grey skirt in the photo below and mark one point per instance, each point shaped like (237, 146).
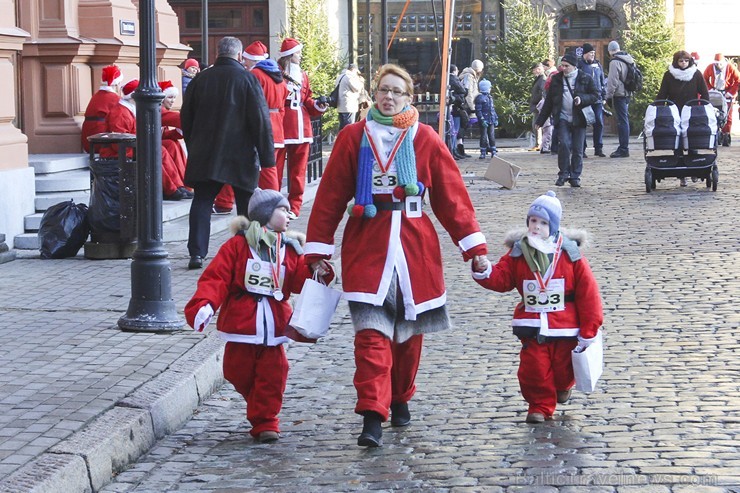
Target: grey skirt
(390, 317)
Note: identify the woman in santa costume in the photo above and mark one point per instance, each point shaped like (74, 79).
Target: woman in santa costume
(270, 78)
(391, 259)
(299, 109)
(172, 128)
(122, 119)
(101, 103)
(724, 76)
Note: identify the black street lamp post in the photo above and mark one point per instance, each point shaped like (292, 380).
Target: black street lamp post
(151, 308)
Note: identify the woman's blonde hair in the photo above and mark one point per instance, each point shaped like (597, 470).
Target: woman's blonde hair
(393, 69)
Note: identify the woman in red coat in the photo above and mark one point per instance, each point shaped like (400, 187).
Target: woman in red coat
(391, 260)
(100, 104)
(299, 109)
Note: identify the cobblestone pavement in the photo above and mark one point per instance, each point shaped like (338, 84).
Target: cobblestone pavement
(666, 415)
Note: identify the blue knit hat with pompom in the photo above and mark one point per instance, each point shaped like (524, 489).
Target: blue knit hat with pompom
(547, 207)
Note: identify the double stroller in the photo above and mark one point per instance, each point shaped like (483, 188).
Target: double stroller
(681, 146)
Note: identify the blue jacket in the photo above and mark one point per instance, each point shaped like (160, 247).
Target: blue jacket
(596, 71)
(484, 110)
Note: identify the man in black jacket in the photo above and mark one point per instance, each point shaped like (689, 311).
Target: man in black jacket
(570, 91)
(535, 96)
(226, 125)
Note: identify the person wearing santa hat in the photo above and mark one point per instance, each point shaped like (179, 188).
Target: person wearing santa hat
(172, 129)
(122, 119)
(256, 59)
(724, 77)
(300, 107)
(101, 103)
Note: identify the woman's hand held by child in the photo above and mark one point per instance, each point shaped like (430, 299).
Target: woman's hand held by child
(203, 318)
(321, 267)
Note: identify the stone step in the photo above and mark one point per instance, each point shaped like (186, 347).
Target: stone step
(177, 230)
(55, 163)
(46, 200)
(64, 181)
(26, 241)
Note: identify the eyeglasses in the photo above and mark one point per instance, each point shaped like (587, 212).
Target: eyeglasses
(396, 93)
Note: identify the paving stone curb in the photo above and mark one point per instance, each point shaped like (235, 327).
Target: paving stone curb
(89, 459)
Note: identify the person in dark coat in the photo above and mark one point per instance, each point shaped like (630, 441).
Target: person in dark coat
(457, 104)
(591, 66)
(682, 82)
(536, 92)
(226, 125)
(570, 91)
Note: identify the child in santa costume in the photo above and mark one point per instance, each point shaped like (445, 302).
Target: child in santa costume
(101, 103)
(122, 119)
(256, 59)
(560, 307)
(250, 279)
(299, 108)
(724, 76)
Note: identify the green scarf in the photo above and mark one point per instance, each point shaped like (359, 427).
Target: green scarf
(261, 239)
(536, 260)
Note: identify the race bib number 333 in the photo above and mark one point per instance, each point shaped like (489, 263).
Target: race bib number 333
(552, 299)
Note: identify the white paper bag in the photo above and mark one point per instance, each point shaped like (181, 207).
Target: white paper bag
(314, 308)
(588, 365)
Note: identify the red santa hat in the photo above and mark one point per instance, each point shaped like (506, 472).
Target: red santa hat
(112, 75)
(129, 88)
(289, 47)
(719, 57)
(256, 51)
(695, 56)
(191, 62)
(168, 88)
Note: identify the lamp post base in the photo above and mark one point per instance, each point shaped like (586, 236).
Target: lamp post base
(151, 316)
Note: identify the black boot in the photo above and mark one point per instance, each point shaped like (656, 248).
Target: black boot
(372, 433)
(400, 415)
(461, 150)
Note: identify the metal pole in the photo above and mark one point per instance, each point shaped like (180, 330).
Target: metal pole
(384, 31)
(151, 308)
(204, 31)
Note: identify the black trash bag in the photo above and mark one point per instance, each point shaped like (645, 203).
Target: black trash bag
(64, 229)
(105, 203)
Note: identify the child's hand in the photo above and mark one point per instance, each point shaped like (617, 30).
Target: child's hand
(481, 263)
(584, 343)
(321, 267)
(203, 317)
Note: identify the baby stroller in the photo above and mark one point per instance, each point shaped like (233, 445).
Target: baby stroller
(695, 131)
(720, 105)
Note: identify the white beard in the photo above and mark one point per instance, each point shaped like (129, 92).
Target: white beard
(545, 246)
(295, 72)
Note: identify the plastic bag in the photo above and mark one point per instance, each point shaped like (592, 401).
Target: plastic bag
(64, 229)
(105, 203)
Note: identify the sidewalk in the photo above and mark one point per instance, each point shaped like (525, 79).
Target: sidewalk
(80, 400)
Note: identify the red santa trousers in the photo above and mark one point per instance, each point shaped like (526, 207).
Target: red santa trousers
(268, 181)
(259, 374)
(171, 177)
(543, 370)
(728, 126)
(385, 370)
(297, 155)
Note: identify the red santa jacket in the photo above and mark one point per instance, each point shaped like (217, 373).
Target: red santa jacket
(171, 119)
(97, 110)
(275, 94)
(244, 317)
(299, 108)
(732, 78)
(583, 314)
(120, 119)
(372, 248)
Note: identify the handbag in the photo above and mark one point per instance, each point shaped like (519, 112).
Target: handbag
(589, 364)
(314, 308)
(589, 115)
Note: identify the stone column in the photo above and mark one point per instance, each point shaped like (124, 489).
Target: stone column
(16, 177)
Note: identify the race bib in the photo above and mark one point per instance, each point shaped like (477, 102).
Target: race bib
(258, 277)
(383, 182)
(552, 299)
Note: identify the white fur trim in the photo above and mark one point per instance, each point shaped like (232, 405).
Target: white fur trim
(296, 48)
(485, 274)
(316, 248)
(256, 58)
(472, 241)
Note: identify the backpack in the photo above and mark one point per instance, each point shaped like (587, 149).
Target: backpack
(333, 100)
(633, 79)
